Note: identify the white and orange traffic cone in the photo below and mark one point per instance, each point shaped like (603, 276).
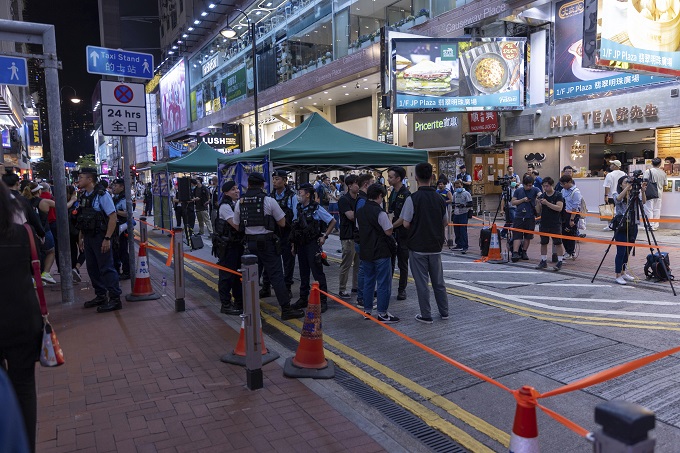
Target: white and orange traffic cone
(309, 360)
(524, 437)
(494, 255)
(142, 289)
(238, 355)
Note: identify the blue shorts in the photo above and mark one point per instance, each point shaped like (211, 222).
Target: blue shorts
(48, 245)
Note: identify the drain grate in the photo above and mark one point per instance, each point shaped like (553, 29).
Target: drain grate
(428, 436)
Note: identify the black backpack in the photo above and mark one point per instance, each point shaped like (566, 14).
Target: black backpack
(654, 269)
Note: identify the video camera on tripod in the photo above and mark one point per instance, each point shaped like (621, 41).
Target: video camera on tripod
(636, 181)
(503, 181)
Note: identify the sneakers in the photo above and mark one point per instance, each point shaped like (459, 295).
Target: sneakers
(300, 304)
(387, 318)
(628, 278)
(360, 304)
(424, 320)
(288, 312)
(620, 280)
(525, 257)
(557, 266)
(47, 278)
(97, 301)
(76, 275)
(457, 249)
(569, 256)
(515, 257)
(444, 317)
(542, 265)
(345, 295)
(464, 251)
(401, 295)
(113, 305)
(367, 315)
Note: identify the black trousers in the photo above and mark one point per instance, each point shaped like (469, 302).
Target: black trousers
(178, 215)
(288, 262)
(269, 259)
(21, 372)
(76, 256)
(229, 285)
(569, 245)
(306, 254)
(401, 259)
(121, 256)
(100, 267)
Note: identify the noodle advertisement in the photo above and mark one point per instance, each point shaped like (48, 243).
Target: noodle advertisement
(449, 74)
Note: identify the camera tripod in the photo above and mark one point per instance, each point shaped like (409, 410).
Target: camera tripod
(505, 196)
(635, 210)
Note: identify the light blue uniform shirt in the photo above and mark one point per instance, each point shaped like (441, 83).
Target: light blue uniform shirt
(103, 203)
(321, 214)
(292, 201)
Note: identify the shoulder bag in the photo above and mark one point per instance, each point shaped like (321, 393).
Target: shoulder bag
(652, 190)
(51, 354)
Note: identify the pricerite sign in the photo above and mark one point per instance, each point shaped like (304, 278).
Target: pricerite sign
(436, 130)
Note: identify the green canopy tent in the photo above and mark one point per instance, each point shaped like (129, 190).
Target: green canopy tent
(199, 160)
(317, 145)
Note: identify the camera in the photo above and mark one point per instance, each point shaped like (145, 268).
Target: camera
(636, 180)
(503, 180)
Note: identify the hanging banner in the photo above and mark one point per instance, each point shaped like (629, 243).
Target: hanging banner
(174, 99)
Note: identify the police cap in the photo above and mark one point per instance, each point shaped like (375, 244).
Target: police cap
(120, 181)
(280, 173)
(306, 186)
(256, 178)
(227, 186)
(89, 171)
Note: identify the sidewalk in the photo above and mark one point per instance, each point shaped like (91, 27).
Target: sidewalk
(148, 379)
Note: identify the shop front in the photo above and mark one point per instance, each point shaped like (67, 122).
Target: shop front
(632, 129)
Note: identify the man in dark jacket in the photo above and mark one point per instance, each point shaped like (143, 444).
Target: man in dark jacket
(375, 234)
(395, 176)
(424, 215)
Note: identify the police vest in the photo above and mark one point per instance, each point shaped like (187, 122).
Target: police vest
(88, 220)
(284, 204)
(223, 229)
(116, 199)
(306, 229)
(397, 203)
(252, 211)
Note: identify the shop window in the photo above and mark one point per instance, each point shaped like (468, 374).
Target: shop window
(307, 48)
(173, 19)
(442, 6)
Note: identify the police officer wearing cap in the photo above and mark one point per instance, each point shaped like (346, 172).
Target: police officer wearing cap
(308, 236)
(288, 202)
(465, 178)
(257, 215)
(228, 248)
(121, 255)
(96, 220)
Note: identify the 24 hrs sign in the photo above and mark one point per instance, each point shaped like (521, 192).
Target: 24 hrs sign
(126, 121)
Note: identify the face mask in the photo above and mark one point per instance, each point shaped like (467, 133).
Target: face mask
(459, 189)
(513, 184)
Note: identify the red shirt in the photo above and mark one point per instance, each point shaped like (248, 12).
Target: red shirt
(51, 214)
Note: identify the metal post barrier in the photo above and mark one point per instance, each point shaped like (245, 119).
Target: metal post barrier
(143, 231)
(251, 317)
(178, 258)
(625, 428)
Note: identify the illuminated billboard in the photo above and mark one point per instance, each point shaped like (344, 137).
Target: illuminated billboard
(452, 74)
(174, 99)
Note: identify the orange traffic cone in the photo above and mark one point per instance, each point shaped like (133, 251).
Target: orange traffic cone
(494, 255)
(238, 355)
(309, 360)
(524, 437)
(142, 289)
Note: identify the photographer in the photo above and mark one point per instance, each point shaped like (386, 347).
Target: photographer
(524, 199)
(462, 202)
(549, 207)
(626, 228)
(656, 181)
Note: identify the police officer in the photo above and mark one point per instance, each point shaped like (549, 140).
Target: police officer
(121, 255)
(308, 237)
(395, 176)
(96, 220)
(257, 215)
(228, 248)
(288, 202)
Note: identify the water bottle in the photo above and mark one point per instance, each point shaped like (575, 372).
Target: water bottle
(164, 284)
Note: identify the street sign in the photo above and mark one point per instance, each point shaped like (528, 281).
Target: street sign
(124, 121)
(13, 71)
(117, 62)
(123, 93)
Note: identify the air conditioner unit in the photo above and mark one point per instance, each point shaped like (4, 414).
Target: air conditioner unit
(486, 141)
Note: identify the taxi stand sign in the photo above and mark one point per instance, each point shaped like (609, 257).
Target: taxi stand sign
(118, 62)
(123, 109)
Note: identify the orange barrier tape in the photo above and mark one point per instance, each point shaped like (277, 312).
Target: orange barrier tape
(208, 263)
(158, 249)
(154, 226)
(591, 214)
(169, 251)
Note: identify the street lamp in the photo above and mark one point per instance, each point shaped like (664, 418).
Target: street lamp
(75, 99)
(230, 33)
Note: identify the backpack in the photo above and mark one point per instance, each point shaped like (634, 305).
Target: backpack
(654, 269)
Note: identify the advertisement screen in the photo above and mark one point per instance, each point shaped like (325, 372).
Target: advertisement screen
(570, 78)
(235, 84)
(637, 35)
(174, 99)
(440, 74)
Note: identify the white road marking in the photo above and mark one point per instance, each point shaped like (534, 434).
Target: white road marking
(540, 284)
(525, 301)
(607, 301)
(468, 271)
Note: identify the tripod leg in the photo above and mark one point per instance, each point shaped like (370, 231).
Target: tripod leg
(625, 216)
(649, 231)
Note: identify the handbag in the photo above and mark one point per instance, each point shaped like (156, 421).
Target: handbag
(606, 211)
(51, 354)
(652, 190)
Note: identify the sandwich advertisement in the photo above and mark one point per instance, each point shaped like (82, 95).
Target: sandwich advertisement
(453, 74)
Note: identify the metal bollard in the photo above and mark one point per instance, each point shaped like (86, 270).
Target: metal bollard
(625, 428)
(251, 317)
(143, 232)
(178, 258)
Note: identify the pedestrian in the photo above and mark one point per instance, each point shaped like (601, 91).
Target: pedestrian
(610, 181)
(46, 193)
(512, 175)
(323, 192)
(334, 196)
(257, 214)
(524, 199)
(42, 206)
(13, 182)
(462, 203)
(215, 195)
(287, 201)
(656, 179)
(121, 254)
(570, 217)
(148, 200)
(364, 180)
(77, 258)
(310, 231)
(625, 225)
(375, 232)
(201, 198)
(549, 207)
(568, 170)
(228, 249)
(446, 195)
(398, 196)
(96, 220)
(538, 181)
(424, 216)
(464, 177)
(177, 206)
(12, 427)
(20, 319)
(350, 258)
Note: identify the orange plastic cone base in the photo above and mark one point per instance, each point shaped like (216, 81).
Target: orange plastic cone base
(240, 348)
(310, 350)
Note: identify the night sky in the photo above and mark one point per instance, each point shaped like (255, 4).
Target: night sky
(77, 26)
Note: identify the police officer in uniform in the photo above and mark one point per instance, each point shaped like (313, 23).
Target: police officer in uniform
(257, 215)
(228, 248)
(308, 238)
(288, 202)
(121, 255)
(96, 220)
(395, 176)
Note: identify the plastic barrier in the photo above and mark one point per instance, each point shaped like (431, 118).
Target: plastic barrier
(142, 289)
(238, 355)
